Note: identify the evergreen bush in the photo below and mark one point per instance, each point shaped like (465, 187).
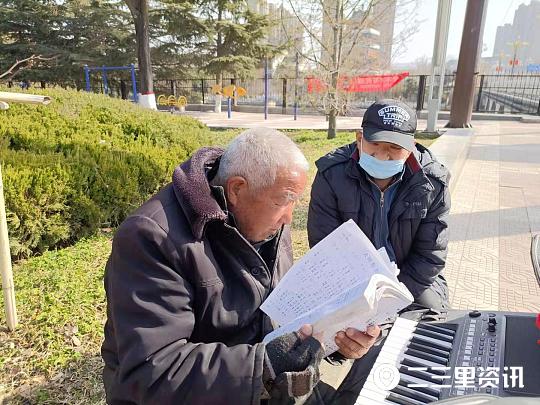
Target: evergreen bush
(84, 162)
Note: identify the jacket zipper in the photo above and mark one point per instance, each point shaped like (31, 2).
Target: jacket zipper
(382, 218)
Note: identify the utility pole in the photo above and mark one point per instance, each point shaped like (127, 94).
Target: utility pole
(516, 45)
(5, 261)
(471, 45)
(499, 67)
(438, 62)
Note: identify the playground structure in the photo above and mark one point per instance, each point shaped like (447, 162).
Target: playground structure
(232, 92)
(104, 70)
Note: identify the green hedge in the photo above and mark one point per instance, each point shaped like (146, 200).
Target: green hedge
(84, 162)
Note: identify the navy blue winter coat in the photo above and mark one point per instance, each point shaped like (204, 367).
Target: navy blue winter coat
(417, 218)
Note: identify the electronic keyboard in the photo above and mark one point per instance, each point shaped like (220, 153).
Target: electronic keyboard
(469, 353)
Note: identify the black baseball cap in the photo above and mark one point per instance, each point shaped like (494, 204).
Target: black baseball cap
(390, 121)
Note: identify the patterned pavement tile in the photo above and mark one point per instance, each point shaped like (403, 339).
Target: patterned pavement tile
(495, 212)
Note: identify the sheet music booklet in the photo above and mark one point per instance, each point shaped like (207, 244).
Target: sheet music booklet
(342, 282)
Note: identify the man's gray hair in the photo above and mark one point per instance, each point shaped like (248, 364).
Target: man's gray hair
(256, 155)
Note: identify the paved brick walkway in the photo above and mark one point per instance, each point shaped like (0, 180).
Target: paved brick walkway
(495, 212)
(278, 121)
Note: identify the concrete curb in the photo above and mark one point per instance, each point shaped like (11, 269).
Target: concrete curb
(531, 119)
(306, 111)
(452, 149)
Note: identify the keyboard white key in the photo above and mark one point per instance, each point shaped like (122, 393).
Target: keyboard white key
(393, 353)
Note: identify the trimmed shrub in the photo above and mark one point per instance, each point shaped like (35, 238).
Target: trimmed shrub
(84, 162)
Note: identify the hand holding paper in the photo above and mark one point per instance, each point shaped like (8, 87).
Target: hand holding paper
(353, 344)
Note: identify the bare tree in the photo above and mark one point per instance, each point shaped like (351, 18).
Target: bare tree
(344, 38)
(140, 13)
(23, 64)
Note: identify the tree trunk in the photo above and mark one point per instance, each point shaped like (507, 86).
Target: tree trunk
(336, 61)
(332, 126)
(139, 11)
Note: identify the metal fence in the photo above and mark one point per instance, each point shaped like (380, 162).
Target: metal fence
(508, 94)
(500, 93)
(199, 91)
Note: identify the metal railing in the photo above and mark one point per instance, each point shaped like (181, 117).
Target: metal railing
(499, 93)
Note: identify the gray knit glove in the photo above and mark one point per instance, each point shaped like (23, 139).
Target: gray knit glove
(291, 366)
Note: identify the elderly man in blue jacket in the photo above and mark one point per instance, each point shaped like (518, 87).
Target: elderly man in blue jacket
(397, 193)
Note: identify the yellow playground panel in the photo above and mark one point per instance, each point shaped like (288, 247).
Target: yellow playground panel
(231, 91)
(172, 101)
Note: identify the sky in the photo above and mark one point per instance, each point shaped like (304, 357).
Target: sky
(499, 12)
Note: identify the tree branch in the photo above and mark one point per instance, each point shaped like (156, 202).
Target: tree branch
(25, 64)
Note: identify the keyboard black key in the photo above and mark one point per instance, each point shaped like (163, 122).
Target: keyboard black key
(403, 400)
(406, 382)
(412, 363)
(412, 393)
(434, 335)
(427, 356)
(423, 348)
(440, 329)
(431, 343)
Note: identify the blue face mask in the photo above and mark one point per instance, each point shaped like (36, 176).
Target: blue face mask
(380, 169)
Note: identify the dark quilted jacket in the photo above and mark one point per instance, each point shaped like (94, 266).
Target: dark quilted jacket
(417, 218)
(183, 295)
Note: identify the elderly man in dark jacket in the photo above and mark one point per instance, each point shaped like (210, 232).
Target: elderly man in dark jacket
(397, 193)
(188, 272)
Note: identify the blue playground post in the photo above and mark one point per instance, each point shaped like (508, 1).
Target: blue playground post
(104, 78)
(229, 107)
(87, 77)
(265, 88)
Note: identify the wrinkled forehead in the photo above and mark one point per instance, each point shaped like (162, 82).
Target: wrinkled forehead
(289, 183)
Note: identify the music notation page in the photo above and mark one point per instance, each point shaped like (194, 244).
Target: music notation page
(342, 282)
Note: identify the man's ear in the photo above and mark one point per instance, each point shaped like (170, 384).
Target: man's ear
(359, 134)
(234, 188)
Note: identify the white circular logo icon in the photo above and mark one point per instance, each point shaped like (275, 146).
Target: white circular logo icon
(386, 376)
